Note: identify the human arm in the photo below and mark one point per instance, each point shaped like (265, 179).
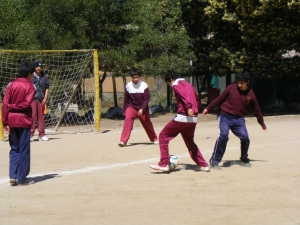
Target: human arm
(24, 104)
(125, 101)
(46, 96)
(47, 85)
(5, 107)
(146, 99)
(218, 101)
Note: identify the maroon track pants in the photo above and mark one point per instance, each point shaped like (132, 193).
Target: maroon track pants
(130, 116)
(38, 112)
(187, 131)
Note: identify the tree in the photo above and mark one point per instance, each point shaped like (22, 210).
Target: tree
(248, 34)
(156, 36)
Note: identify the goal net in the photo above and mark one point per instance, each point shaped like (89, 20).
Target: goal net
(73, 99)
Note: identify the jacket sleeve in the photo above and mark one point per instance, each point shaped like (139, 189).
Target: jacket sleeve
(126, 100)
(26, 103)
(146, 99)
(47, 84)
(219, 100)
(5, 103)
(185, 96)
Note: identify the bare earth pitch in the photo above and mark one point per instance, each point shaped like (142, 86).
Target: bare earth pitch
(88, 179)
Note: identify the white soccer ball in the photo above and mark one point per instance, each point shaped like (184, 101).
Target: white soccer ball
(174, 162)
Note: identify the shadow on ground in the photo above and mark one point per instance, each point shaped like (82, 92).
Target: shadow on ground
(44, 177)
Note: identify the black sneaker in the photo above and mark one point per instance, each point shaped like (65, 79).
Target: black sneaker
(215, 167)
(26, 182)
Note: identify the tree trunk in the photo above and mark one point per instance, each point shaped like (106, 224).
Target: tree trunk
(115, 90)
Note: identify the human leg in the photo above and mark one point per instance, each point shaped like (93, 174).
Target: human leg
(148, 126)
(187, 134)
(169, 132)
(24, 159)
(40, 117)
(130, 115)
(14, 153)
(240, 130)
(222, 140)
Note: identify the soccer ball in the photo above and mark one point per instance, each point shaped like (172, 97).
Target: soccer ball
(174, 162)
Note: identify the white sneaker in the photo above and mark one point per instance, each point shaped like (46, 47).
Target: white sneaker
(161, 168)
(156, 142)
(205, 169)
(121, 144)
(31, 139)
(44, 138)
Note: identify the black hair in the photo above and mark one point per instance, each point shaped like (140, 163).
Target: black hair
(135, 72)
(25, 69)
(171, 75)
(243, 75)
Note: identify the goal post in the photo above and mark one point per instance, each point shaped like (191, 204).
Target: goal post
(73, 104)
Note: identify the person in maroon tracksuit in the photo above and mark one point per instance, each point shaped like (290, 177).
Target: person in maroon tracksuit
(17, 120)
(136, 99)
(234, 102)
(183, 123)
(41, 82)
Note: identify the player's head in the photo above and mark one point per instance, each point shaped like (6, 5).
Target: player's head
(25, 70)
(171, 76)
(242, 79)
(135, 75)
(38, 66)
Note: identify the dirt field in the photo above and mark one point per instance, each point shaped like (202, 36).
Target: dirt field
(87, 179)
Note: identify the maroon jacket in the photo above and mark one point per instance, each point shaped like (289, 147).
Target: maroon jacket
(186, 97)
(235, 102)
(16, 105)
(136, 96)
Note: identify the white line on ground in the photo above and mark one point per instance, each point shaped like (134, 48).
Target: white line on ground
(119, 165)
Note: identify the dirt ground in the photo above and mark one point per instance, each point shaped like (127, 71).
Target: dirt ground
(88, 179)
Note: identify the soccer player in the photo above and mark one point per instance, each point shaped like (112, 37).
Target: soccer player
(40, 81)
(183, 123)
(17, 120)
(136, 99)
(234, 102)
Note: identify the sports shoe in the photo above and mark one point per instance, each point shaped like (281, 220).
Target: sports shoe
(44, 138)
(31, 139)
(121, 144)
(26, 182)
(215, 167)
(12, 182)
(205, 169)
(161, 168)
(156, 142)
(245, 164)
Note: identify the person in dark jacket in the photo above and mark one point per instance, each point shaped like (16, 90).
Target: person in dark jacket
(136, 99)
(40, 81)
(183, 123)
(17, 120)
(235, 101)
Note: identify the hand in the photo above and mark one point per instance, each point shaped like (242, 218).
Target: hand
(140, 112)
(264, 127)
(6, 129)
(44, 101)
(204, 111)
(190, 112)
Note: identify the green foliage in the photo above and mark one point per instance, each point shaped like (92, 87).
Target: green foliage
(230, 36)
(157, 37)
